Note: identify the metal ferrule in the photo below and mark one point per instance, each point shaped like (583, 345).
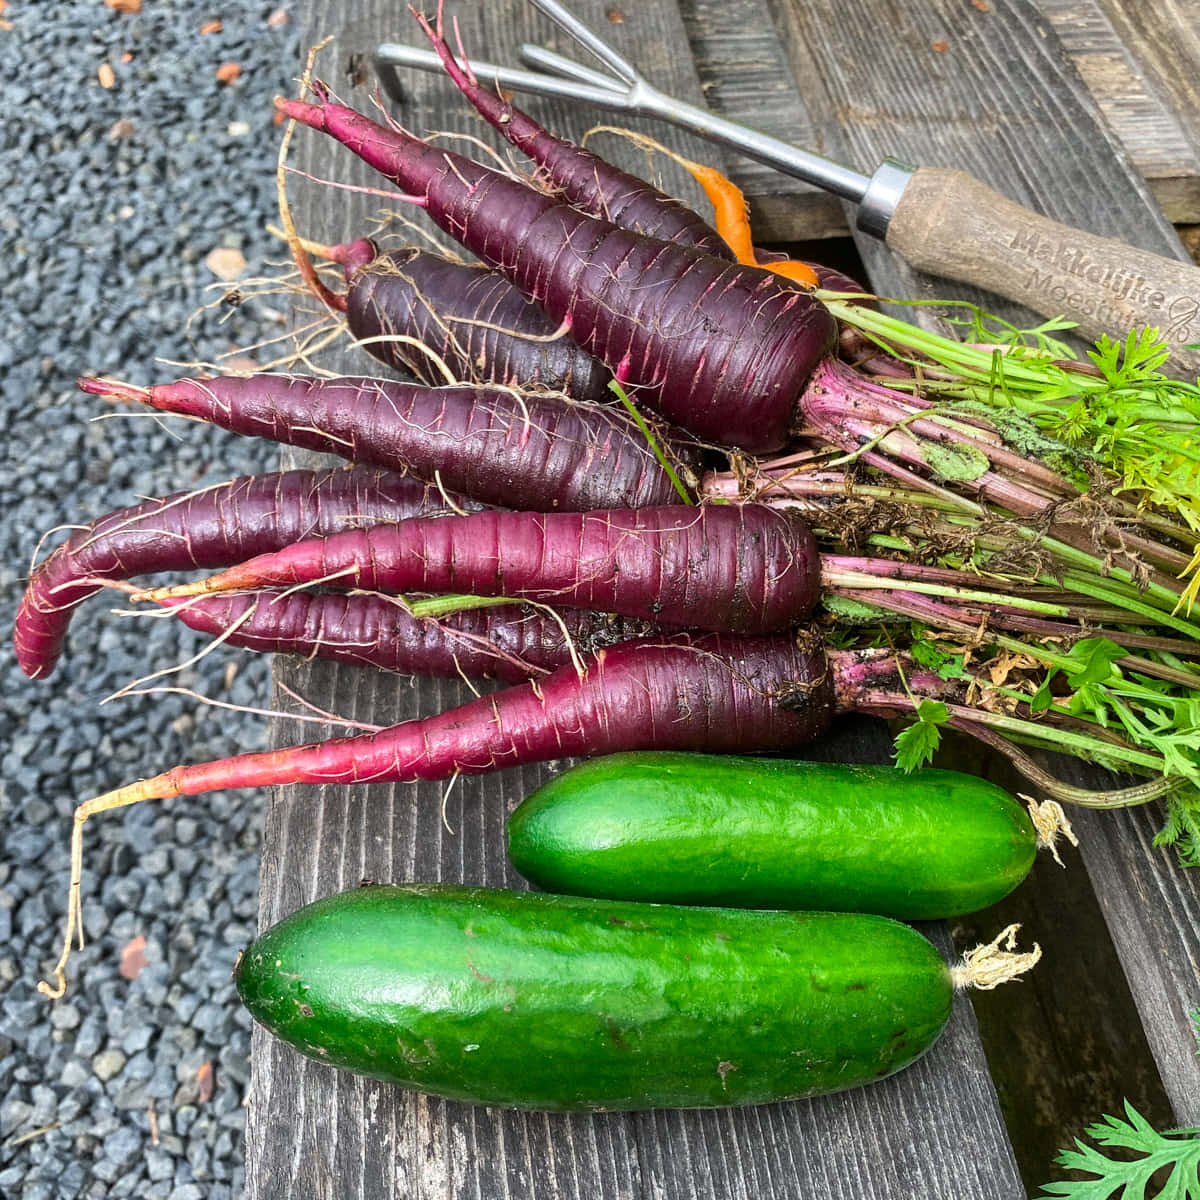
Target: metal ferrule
(883, 193)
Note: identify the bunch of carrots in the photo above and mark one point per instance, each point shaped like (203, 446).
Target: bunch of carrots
(678, 496)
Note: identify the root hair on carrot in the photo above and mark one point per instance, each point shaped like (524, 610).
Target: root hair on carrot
(303, 263)
(451, 503)
(202, 653)
(318, 717)
(404, 339)
(363, 189)
(320, 714)
(445, 800)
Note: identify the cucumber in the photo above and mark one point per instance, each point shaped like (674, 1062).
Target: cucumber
(770, 833)
(564, 1003)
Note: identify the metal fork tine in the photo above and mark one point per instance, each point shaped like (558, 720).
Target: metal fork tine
(593, 43)
(606, 93)
(631, 92)
(557, 64)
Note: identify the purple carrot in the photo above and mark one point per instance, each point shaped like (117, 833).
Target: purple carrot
(209, 528)
(511, 643)
(470, 318)
(598, 187)
(723, 350)
(501, 447)
(583, 178)
(719, 694)
(727, 568)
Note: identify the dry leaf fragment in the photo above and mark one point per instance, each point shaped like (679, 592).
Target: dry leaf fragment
(228, 72)
(225, 263)
(125, 6)
(940, 46)
(204, 1082)
(127, 56)
(212, 27)
(133, 958)
(106, 75)
(278, 18)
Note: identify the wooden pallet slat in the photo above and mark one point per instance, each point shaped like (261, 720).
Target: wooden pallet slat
(935, 1130)
(1040, 139)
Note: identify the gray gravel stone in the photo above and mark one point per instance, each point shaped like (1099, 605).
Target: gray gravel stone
(14, 1114)
(112, 198)
(64, 1016)
(124, 1146)
(108, 1063)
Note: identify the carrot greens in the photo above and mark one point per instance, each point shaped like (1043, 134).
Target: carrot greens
(1118, 406)
(1176, 1151)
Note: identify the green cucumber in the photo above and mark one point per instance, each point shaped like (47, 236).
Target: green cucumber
(770, 833)
(564, 1003)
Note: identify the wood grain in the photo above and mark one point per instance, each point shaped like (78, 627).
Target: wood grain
(1001, 102)
(1139, 62)
(933, 1131)
(1128, 54)
(745, 76)
(950, 224)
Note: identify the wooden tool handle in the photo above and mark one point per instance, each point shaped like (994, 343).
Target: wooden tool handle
(949, 224)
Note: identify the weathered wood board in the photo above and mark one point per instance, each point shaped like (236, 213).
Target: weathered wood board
(1022, 122)
(1140, 62)
(935, 1130)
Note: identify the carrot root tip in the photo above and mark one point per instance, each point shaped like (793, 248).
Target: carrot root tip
(112, 389)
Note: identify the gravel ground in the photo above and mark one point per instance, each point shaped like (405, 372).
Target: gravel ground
(114, 198)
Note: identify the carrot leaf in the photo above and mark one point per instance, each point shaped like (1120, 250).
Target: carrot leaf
(1176, 1151)
(946, 663)
(917, 744)
(1095, 657)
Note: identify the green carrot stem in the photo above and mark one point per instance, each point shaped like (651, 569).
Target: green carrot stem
(442, 606)
(833, 577)
(651, 441)
(1083, 745)
(1127, 797)
(1098, 591)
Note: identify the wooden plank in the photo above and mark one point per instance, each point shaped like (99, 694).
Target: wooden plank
(1126, 52)
(935, 1130)
(1163, 39)
(745, 76)
(1152, 908)
(988, 89)
(1140, 62)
